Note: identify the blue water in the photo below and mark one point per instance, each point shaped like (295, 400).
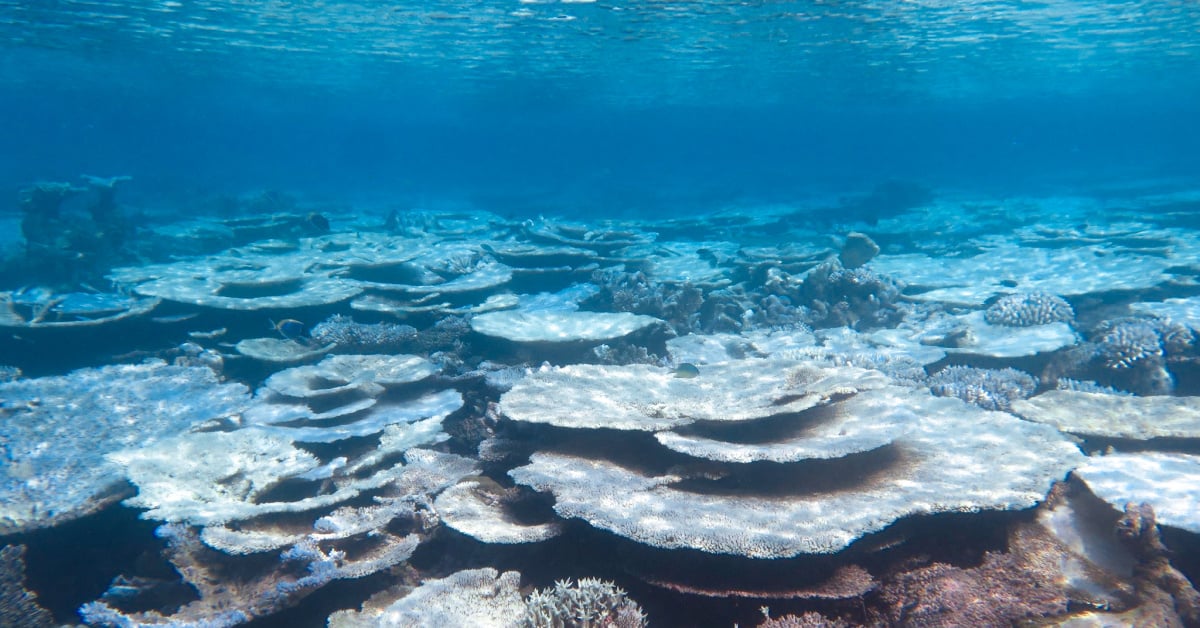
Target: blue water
(598, 108)
(1024, 146)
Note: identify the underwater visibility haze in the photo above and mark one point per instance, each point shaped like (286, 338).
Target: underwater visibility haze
(599, 313)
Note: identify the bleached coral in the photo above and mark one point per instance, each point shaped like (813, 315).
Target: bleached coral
(642, 397)
(56, 432)
(1028, 309)
(1124, 343)
(350, 541)
(558, 325)
(18, 605)
(1114, 416)
(1170, 482)
(216, 477)
(954, 458)
(865, 421)
(340, 373)
(990, 389)
(477, 509)
(476, 597)
(588, 602)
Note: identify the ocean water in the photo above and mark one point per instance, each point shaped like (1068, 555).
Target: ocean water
(866, 312)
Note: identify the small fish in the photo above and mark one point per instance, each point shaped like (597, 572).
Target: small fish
(291, 329)
(173, 318)
(686, 370)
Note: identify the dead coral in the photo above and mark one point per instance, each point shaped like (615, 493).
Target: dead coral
(1154, 575)
(858, 298)
(635, 292)
(807, 620)
(1006, 588)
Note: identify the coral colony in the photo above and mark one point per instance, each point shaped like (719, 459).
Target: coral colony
(457, 419)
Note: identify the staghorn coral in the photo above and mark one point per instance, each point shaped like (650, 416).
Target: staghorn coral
(1029, 309)
(588, 602)
(990, 389)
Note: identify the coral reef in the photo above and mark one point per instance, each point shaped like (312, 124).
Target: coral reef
(1029, 309)
(477, 597)
(65, 244)
(694, 422)
(87, 415)
(352, 337)
(588, 602)
(1167, 482)
(1129, 354)
(476, 508)
(990, 389)
(1114, 416)
(1153, 574)
(485, 597)
(343, 543)
(621, 291)
(692, 504)
(859, 298)
(559, 326)
(806, 620)
(43, 309)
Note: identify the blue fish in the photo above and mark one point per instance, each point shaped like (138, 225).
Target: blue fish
(291, 329)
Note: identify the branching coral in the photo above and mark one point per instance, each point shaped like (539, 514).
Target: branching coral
(1129, 354)
(1029, 309)
(634, 292)
(859, 298)
(990, 389)
(589, 602)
